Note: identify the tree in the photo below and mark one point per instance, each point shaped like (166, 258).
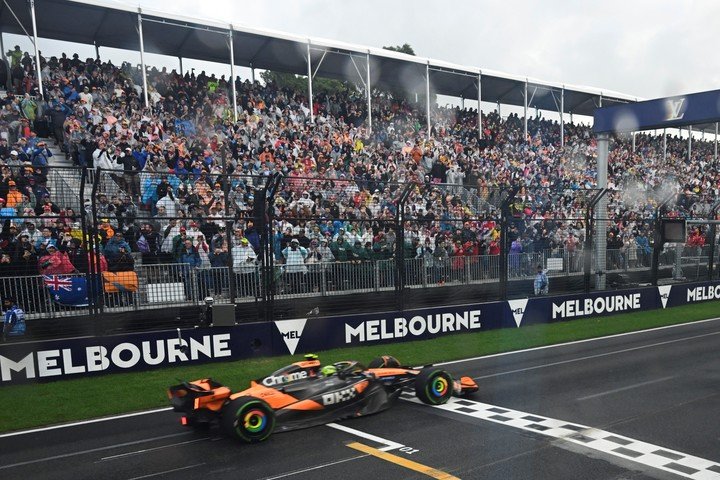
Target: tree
(404, 48)
(299, 83)
(403, 94)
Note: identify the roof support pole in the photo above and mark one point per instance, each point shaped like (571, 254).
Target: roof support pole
(716, 141)
(252, 73)
(633, 141)
(97, 50)
(601, 212)
(2, 48)
(310, 90)
(232, 75)
(462, 102)
(427, 96)
(181, 66)
(664, 145)
(142, 59)
(368, 91)
(499, 112)
(38, 70)
(600, 104)
(690, 135)
(562, 118)
(525, 105)
(480, 129)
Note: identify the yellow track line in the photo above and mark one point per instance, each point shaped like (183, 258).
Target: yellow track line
(403, 462)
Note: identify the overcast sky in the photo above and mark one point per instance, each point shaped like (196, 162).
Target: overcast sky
(641, 48)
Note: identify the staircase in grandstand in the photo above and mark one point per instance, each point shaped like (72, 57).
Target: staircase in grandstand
(470, 199)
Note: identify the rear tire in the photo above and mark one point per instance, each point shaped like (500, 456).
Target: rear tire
(248, 419)
(433, 386)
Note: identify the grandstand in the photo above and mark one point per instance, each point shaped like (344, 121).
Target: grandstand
(152, 188)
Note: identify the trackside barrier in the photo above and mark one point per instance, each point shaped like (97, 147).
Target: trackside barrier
(71, 358)
(176, 284)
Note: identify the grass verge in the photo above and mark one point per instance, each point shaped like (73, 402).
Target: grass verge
(84, 398)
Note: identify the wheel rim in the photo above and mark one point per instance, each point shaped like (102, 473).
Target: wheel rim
(439, 387)
(254, 421)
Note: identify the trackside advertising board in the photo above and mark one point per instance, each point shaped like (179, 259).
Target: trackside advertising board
(71, 358)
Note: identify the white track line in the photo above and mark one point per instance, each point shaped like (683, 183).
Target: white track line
(623, 389)
(85, 422)
(92, 450)
(514, 352)
(390, 445)
(575, 342)
(603, 441)
(146, 450)
(168, 471)
(316, 467)
(591, 357)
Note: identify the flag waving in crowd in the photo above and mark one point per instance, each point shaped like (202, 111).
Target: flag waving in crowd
(69, 291)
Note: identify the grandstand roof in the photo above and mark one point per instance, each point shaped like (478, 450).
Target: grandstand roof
(111, 24)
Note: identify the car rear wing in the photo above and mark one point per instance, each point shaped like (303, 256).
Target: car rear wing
(204, 393)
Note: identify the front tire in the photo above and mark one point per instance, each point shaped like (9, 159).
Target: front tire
(248, 419)
(433, 386)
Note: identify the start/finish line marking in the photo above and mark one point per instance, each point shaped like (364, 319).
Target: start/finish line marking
(603, 441)
(403, 462)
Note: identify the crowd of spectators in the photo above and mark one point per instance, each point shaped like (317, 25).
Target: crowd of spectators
(167, 196)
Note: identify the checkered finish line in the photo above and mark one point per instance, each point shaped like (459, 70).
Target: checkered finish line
(630, 449)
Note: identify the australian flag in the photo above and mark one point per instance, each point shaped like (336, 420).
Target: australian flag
(185, 128)
(67, 291)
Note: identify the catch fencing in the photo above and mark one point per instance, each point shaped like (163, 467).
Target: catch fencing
(358, 237)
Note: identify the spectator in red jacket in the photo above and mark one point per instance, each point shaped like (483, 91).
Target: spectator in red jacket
(55, 262)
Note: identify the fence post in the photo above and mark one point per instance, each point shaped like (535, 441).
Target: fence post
(588, 244)
(400, 247)
(505, 214)
(711, 250)
(657, 243)
(677, 271)
(94, 269)
(376, 268)
(232, 284)
(323, 279)
(263, 216)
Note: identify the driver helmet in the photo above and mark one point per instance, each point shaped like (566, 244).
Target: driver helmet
(328, 370)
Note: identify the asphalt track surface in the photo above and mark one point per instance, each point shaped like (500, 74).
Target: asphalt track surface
(645, 405)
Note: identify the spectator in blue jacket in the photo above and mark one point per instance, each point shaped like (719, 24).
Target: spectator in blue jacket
(13, 319)
(541, 282)
(113, 245)
(40, 155)
(189, 254)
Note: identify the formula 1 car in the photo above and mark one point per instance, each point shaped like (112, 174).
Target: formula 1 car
(304, 394)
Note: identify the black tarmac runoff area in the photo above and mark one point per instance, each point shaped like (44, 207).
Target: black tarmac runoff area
(634, 406)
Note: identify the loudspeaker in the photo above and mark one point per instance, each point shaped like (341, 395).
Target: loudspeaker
(223, 315)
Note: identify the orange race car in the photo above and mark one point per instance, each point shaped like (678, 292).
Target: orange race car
(306, 394)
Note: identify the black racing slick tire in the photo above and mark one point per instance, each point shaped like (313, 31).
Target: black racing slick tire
(248, 419)
(386, 361)
(433, 386)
